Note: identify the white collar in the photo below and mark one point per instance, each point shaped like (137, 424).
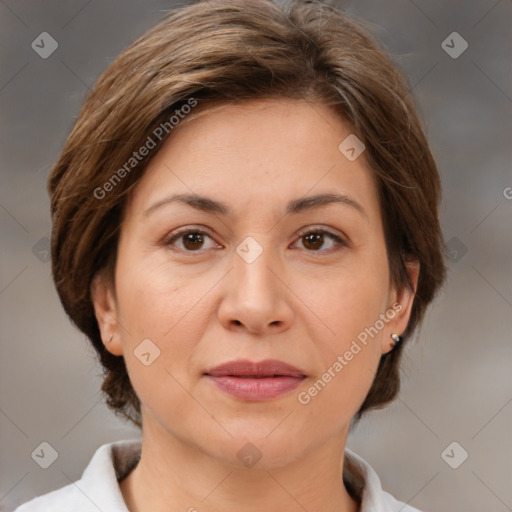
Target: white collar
(98, 489)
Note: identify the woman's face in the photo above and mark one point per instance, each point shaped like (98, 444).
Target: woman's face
(309, 286)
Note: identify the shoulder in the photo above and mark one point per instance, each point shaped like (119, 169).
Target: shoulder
(394, 505)
(60, 500)
(98, 488)
(364, 482)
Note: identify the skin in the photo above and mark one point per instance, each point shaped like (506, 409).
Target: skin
(300, 302)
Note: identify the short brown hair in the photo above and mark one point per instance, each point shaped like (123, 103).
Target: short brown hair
(230, 51)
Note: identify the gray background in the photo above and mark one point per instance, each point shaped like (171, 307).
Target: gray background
(457, 383)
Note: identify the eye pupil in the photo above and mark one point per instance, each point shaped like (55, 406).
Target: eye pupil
(193, 238)
(314, 238)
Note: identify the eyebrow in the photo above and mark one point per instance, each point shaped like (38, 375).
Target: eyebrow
(295, 206)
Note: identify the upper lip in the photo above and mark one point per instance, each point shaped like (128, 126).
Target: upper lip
(246, 368)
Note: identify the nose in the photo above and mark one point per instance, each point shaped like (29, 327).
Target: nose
(255, 297)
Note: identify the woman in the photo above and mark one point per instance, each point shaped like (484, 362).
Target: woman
(245, 226)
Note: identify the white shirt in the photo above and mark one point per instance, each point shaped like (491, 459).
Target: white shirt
(98, 489)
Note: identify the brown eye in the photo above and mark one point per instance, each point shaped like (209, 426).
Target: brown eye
(314, 240)
(192, 240)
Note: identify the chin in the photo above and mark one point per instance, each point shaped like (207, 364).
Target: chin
(261, 445)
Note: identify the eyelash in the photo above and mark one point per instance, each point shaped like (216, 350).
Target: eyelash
(176, 235)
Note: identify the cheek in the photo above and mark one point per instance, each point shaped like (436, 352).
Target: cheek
(156, 304)
(351, 298)
(172, 317)
(348, 340)
(348, 360)
(154, 296)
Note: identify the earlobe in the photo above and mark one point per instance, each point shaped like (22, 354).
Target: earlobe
(105, 310)
(403, 307)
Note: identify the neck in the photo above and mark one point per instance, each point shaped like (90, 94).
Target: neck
(175, 476)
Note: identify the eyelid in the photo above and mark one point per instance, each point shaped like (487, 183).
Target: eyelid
(183, 231)
(322, 229)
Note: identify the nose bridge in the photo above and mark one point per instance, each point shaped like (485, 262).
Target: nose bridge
(254, 295)
(252, 263)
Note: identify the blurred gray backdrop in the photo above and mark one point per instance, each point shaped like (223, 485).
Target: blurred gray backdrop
(457, 385)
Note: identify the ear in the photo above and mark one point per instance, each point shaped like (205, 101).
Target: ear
(105, 309)
(401, 304)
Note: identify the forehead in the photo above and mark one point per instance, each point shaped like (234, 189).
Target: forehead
(257, 154)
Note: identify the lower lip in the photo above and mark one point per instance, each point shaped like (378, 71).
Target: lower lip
(255, 389)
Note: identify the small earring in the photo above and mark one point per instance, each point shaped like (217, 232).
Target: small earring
(396, 339)
(110, 339)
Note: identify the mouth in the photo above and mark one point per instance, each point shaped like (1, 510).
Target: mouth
(249, 369)
(256, 381)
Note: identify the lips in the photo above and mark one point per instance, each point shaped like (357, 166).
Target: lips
(247, 369)
(256, 381)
